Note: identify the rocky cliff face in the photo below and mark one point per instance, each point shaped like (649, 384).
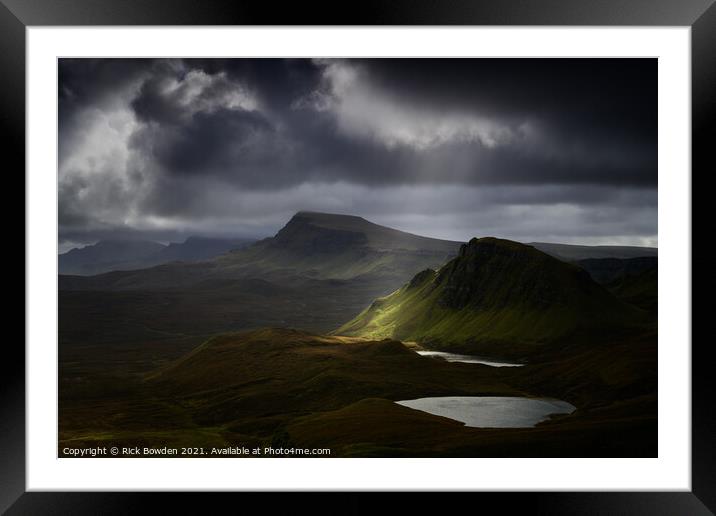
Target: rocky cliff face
(493, 273)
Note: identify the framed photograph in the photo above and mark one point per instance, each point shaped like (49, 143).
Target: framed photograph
(422, 248)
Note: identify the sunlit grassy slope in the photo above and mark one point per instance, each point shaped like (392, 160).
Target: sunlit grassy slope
(497, 295)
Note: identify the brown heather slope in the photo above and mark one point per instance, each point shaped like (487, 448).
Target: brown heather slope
(297, 389)
(280, 371)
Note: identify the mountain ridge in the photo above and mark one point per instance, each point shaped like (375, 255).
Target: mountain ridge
(317, 234)
(310, 246)
(113, 255)
(338, 247)
(498, 296)
(574, 252)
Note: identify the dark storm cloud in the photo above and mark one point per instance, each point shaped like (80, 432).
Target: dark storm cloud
(556, 88)
(276, 81)
(593, 123)
(239, 142)
(85, 82)
(152, 145)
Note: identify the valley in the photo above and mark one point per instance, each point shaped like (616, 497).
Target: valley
(307, 339)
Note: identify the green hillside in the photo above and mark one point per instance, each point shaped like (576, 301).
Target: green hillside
(640, 290)
(331, 246)
(496, 296)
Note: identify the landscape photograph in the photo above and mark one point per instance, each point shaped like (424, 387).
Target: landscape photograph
(357, 257)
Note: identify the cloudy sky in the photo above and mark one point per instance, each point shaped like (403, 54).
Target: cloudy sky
(561, 150)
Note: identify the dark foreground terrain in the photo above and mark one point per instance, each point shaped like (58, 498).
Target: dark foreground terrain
(289, 388)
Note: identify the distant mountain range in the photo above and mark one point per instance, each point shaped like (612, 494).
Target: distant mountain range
(315, 245)
(114, 255)
(311, 246)
(320, 270)
(569, 252)
(609, 270)
(496, 296)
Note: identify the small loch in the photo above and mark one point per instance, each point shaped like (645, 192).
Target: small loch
(468, 359)
(491, 411)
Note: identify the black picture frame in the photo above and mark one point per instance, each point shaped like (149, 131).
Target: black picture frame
(700, 15)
